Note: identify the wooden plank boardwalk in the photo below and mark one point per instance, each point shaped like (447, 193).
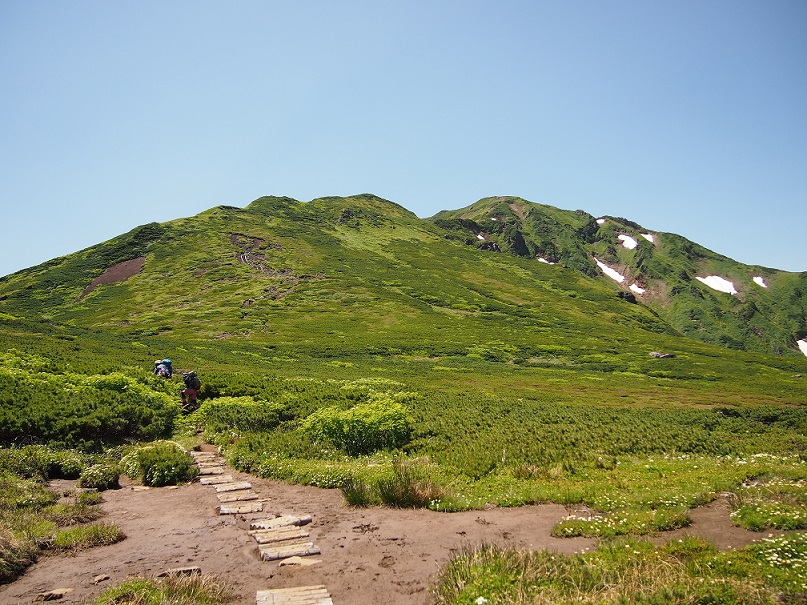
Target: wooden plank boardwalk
(280, 537)
(267, 536)
(302, 595)
(232, 487)
(280, 522)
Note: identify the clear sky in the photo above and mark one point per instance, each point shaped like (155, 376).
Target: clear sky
(687, 116)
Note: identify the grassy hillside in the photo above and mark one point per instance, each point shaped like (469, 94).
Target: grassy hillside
(346, 343)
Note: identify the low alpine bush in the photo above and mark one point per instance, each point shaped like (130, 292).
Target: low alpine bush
(100, 477)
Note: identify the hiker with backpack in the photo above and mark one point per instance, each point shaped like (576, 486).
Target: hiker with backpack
(164, 368)
(192, 386)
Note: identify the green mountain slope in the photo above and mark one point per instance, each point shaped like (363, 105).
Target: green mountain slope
(768, 312)
(363, 274)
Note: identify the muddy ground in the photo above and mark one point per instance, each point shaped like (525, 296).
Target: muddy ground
(368, 556)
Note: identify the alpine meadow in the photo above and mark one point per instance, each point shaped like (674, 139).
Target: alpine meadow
(503, 354)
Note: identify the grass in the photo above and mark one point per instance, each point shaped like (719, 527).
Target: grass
(33, 520)
(174, 589)
(688, 570)
(87, 536)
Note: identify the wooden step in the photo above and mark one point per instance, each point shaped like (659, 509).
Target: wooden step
(270, 536)
(211, 464)
(238, 496)
(241, 508)
(280, 521)
(211, 470)
(283, 550)
(198, 455)
(214, 479)
(301, 595)
(232, 487)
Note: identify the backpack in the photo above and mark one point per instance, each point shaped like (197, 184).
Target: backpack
(192, 381)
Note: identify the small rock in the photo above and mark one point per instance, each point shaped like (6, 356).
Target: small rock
(660, 355)
(52, 595)
(99, 579)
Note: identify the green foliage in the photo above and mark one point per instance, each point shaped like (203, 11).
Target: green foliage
(67, 409)
(100, 476)
(621, 523)
(771, 502)
(362, 429)
(240, 414)
(161, 464)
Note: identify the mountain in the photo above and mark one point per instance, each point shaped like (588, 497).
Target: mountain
(698, 292)
(502, 278)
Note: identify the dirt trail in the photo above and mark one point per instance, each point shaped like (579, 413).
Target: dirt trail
(373, 555)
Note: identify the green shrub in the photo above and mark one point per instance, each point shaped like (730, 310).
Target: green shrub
(241, 414)
(20, 493)
(362, 429)
(160, 464)
(75, 410)
(90, 498)
(100, 477)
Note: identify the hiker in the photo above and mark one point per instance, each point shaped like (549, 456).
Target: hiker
(163, 367)
(192, 386)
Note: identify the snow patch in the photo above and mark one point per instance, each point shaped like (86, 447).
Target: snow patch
(637, 289)
(760, 281)
(612, 273)
(480, 236)
(627, 241)
(543, 260)
(600, 221)
(802, 345)
(718, 283)
(649, 237)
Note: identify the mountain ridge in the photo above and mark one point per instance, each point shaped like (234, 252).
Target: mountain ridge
(341, 253)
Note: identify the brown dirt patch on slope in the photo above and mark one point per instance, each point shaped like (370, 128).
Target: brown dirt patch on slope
(116, 274)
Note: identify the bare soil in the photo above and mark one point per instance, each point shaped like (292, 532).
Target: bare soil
(368, 555)
(115, 274)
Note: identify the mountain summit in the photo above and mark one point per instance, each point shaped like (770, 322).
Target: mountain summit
(364, 272)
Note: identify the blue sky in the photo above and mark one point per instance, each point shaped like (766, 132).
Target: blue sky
(685, 116)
